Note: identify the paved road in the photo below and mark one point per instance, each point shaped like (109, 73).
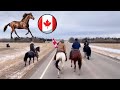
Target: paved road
(98, 67)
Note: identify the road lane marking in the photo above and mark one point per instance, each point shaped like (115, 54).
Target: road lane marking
(46, 68)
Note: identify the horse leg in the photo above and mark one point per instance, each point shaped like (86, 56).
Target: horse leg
(25, 63)
(74, 65)
(71, 63)
(88, 58)
(11, 34)
(79, 65)
(57, 66)
(37, 57)
(62, 67)
(30, 32)
(27, 33)
(58, 74)
(17, 34)
(62, 62)
(29, 60)
(33, 59)
(84, 54)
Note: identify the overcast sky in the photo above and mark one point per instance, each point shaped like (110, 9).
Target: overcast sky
(69, 24)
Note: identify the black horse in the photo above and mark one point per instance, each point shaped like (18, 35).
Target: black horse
(87, 51)
(31, 54)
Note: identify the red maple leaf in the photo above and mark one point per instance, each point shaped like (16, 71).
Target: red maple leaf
(47, 23)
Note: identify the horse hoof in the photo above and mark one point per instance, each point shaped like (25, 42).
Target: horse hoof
(58, 76)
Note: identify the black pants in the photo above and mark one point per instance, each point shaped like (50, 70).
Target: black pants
(57, 52)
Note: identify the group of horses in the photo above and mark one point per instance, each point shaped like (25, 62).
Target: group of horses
(60, 60)
(75, 57)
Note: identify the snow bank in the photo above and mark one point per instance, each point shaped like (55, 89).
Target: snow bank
(117, 51)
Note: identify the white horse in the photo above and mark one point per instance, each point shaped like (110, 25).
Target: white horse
(60, 59)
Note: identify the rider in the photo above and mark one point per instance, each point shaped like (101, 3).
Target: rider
(75, 46)
(61, 48)
(86, 42)
(32, 47)
(87, 51)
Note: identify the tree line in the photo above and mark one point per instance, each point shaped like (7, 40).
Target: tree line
(27, 39)
(96, 40)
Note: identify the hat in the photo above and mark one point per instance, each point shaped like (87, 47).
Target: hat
(62, 41)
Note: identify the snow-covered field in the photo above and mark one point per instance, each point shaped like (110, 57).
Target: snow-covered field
(108, 49)
(11, 59)
(117, 51)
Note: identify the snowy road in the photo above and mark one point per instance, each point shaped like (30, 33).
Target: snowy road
(98, 67)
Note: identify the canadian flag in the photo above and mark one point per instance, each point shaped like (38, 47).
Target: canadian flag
(47, 23)
(54, 43)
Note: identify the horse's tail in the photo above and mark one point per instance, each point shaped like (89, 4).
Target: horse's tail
(6, 27)
(56, 64)
(26, 56)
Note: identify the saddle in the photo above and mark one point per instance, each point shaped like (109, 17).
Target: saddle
(60, 51)
(75, 54)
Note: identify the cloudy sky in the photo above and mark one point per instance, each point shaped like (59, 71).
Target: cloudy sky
(69, 24)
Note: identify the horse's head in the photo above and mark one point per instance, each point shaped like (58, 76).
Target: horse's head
(38, 49)
(29, 15)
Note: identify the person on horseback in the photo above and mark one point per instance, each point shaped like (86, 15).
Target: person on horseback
(87, 50)
(61, 48)
(75, 46)
(86, 43)
(32, 47)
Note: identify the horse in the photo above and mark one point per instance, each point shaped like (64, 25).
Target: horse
(87, 51)
(59, 63)
(75, 56)
(31, 54)
(23, 24)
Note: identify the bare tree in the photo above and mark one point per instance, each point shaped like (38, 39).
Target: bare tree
(71, 40)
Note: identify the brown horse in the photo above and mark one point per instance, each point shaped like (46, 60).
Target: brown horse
(23, 24)
(76, 56)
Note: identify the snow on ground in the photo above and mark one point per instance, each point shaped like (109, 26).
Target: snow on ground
(11, 59)
(11, 56)
(113, 53)
(117, 51)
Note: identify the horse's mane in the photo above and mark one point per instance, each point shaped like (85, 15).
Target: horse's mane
(37, 48)
(26, 14)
